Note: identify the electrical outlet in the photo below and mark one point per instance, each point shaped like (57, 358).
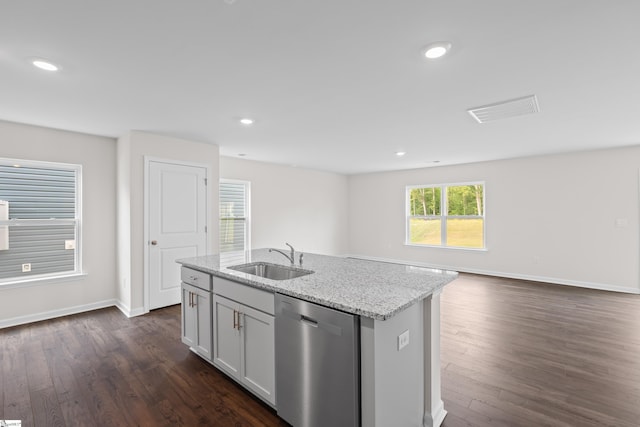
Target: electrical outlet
(26, 268)
(403, 340)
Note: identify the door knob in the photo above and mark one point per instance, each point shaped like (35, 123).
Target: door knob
(154, 242)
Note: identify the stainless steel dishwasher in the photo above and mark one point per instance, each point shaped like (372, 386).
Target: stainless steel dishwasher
(317, 364)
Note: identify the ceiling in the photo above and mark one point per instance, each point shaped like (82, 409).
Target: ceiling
(332, 85)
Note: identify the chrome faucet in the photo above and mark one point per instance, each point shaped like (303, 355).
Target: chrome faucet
(291, 258)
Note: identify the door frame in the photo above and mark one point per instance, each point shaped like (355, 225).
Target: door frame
(147, 162)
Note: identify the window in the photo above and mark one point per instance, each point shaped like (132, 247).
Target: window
(234, 215)
(450, 215)
(40, 220)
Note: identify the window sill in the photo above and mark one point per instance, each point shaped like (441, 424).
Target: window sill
(42, 280)
(448, 247)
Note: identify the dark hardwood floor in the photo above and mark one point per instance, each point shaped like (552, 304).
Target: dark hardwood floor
(102, 369)
(517, 353)
(514, 353)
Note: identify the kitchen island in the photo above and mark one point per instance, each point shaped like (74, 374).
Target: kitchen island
(399, 309)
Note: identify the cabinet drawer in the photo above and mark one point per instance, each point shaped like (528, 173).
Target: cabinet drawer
(196, 278)
(244, 294)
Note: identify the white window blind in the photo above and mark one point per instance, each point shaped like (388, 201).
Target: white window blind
(43, 219)
(234, 215)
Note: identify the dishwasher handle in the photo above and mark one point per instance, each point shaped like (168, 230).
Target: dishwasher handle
(299, 317)
(308, 321)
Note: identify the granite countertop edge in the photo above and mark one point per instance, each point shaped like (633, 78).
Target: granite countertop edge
(376, 310)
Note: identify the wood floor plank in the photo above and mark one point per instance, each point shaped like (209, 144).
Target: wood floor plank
(73, 403)
(38, 374)
(17, 401)
(100, 402)
(46, 409)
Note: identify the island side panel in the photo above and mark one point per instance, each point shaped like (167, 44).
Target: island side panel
(367, 373)
(434, 411)
(392, 391)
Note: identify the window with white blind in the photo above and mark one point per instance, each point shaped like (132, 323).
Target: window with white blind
(234, 215)
(39, 220)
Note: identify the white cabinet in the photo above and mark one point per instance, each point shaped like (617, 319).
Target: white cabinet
(196, 312)
(226, 335)
(243, 336)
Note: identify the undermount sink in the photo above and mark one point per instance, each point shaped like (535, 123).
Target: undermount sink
(271, 271)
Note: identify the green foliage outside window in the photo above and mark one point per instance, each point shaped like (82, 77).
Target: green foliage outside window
(461, 226)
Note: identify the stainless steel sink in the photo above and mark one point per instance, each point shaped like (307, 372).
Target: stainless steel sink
(271, 271)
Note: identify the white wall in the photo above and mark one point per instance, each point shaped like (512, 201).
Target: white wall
(305, 208)
(97, 155)
(132, 149)
(123, 220)
(549, 218)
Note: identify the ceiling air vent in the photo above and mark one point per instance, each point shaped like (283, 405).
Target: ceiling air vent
(505, 109)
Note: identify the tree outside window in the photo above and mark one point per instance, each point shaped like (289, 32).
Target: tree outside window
(450, 215)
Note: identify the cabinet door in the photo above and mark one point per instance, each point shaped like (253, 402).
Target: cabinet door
(189, 321)
(257, 353)
(202, 308)
(226, 335)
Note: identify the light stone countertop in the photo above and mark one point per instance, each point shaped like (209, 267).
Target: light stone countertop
(372, 289)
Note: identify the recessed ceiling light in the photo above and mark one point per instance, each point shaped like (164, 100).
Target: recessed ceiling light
(437, 50)
(45, 65)
(400, 153)
(246, 121)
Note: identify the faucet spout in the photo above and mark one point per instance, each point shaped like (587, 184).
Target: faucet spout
(290, 258)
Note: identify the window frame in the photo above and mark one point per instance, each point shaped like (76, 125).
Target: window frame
(443, 217)
(61, 276)
(247, 216)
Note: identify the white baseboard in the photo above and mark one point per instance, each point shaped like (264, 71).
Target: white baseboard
(46, 315)
(544, 279)
(128, 311)
(435, 419)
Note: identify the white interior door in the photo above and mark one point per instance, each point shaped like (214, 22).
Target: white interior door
(176, 220)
